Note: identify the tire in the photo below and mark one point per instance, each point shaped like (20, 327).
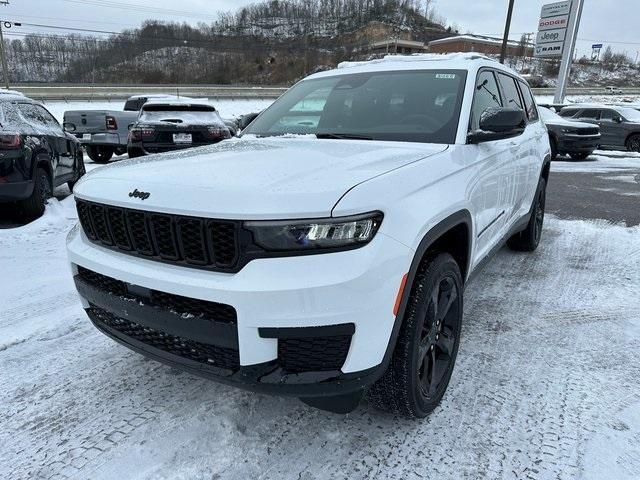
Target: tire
(100, 153)
(528, 239)
(554, 147)
(135, 152)
(633, 143)
(408, 387)
(579, 156)
(33, 207)
(80, 169)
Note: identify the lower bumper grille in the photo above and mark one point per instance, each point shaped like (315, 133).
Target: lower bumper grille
(168, 301)
(221, 357)
(318, 354)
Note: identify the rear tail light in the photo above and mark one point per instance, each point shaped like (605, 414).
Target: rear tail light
(218, 132)
(111, 123)
(10, 140)
(142, 133)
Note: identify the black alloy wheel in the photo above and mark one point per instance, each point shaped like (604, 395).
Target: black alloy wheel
(427, 345)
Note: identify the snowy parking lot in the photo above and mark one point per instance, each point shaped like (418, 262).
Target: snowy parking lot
(545, 387)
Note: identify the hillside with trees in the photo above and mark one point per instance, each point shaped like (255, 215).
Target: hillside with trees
(272, 42)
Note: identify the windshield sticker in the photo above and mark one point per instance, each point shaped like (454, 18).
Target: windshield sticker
(446, 76)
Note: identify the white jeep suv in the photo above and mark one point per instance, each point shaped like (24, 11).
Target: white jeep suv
(323, 254)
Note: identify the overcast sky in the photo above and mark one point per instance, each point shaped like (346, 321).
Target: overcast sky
(612, 22)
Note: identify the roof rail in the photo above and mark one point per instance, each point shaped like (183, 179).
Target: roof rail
(419, 57)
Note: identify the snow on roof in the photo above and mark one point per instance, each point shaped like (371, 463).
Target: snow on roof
(182, 101)
(417, 57)
(4, 91)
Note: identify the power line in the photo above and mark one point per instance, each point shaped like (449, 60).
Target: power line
(136, 7)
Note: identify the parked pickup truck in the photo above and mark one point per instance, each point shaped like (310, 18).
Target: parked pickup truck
(105, 132)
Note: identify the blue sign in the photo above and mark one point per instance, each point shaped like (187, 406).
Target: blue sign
(596, 46)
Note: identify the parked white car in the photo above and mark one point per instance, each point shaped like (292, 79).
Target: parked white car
(324, 253)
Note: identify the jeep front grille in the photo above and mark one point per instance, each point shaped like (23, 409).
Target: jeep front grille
(190, 241)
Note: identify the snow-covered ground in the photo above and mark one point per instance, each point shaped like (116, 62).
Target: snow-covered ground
(546, 384)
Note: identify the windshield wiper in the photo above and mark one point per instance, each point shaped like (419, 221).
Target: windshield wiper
(344, 136)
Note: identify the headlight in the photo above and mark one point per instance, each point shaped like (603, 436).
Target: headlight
(315, 234)
(569, 130)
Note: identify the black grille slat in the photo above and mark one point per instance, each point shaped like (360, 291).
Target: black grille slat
(314, 353)
(221, 357)
(99, 220)
(223, 240)
(218, 312)
(85, 220)
(164, 236)
(139, 232)
(117, 222)
(193, 241)
(190, 241)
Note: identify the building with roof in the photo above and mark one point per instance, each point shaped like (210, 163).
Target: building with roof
(480, 44)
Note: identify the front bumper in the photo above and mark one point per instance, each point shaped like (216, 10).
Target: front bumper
(276, 300)
(578, 143)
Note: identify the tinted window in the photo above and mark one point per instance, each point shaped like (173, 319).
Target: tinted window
(608, 115)
(590, 114)
(486, 94)
(510, 93)
(568, 113)
(412, 106)
(134, 104)
(529, 102)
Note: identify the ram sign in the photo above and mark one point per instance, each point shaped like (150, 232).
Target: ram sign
(549, 50)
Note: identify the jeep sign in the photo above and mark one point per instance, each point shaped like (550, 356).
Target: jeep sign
(548, 36)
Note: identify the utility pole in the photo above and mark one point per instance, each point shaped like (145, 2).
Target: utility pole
(567, 53)
(505, 37)
(2, 56)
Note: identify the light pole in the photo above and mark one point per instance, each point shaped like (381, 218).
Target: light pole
(505, 37)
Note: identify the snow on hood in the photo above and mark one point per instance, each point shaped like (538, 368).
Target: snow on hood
(250, 178)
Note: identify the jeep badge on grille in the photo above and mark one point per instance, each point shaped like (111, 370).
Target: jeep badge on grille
(138, 194)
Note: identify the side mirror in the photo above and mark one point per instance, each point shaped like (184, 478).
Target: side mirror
(617, 119)
(130, 126)
(69, 127)
(498, 123)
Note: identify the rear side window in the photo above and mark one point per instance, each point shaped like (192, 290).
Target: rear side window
(529, 102)
(510, 93)
(134, 104)
(590, 114)
(486, 94)
(37, 114)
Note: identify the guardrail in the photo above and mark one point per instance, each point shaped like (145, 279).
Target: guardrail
(121, 92)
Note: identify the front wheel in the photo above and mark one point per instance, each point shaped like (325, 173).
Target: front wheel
(100, 153)
(528, 239)
(633, 143)
(427, 344)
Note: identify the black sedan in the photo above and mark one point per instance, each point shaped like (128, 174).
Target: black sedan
(167, 126)
(576, 139)
(36, 155)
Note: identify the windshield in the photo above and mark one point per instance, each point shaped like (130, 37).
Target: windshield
(629, 114)
(412, 106)
(179, 114)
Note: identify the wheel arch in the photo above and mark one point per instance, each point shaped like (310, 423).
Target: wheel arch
(445, 236)
(631, 134)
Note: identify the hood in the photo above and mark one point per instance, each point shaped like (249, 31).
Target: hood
(250, 178)
(562, 122)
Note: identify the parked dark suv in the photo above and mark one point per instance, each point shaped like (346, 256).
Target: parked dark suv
(619, 126)
(36, 155)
